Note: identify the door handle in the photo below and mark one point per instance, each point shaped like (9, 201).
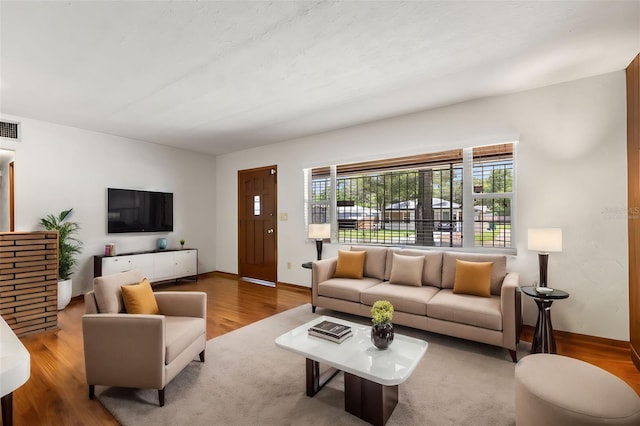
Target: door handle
(270, 231)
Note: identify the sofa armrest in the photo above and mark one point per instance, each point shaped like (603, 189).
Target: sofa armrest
(124, 350)
(90, 304)
(321, 270)
(182, 303)
(511, 310)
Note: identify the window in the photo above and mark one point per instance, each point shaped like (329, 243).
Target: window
(419, 200)
(492, 197)
(320, 196)
(256, 205)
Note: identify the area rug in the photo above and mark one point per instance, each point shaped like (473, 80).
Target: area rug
(247, 380)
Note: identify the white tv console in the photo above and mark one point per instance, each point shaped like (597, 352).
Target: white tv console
(156, 265)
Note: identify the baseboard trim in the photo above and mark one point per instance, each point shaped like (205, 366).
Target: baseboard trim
(226, 275)
(635, 357)
(294, 287)
(567, 336)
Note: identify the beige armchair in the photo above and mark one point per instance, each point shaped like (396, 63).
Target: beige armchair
(140, 351)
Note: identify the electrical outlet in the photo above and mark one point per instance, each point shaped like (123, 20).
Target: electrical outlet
(284, 216)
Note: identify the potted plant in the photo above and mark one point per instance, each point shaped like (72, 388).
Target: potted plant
(182, 243)
(68, 247)
(382, 330)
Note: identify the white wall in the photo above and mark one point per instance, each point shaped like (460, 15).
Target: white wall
(571, 174)
(59, 167)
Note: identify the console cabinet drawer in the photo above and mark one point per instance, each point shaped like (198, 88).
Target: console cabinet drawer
(113, 265)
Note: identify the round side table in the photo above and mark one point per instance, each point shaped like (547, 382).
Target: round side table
(543, 340)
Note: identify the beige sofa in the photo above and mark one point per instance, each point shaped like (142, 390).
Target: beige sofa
(432, 306)
(140, 351)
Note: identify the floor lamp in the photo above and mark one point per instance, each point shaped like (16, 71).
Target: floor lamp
(319, 232)
(544, 240)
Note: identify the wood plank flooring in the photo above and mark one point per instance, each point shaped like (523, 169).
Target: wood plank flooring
(56, 393)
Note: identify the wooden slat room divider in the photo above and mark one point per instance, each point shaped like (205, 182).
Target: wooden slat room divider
(29, 281)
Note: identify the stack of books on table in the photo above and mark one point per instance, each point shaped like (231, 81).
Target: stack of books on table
(331, 331)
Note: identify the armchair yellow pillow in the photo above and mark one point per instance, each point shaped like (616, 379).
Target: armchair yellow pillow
(139, 298)
(473, 278)
(350, 264)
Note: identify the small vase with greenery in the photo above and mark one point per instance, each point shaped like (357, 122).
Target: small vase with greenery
(68, 248)
(382, 330)
(182, 243)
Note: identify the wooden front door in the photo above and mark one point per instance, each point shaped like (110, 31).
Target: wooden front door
(257, 232)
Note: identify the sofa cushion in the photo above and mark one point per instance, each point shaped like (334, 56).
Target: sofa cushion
(107, 290)
(409, 299)
(432, 271)
(389, 263)
(497, 274)
(374, 261)
(406, 270)
(345, 288)
(473, 278)
(350, 264)
(139, 298)
(180, 332)
(465, 309)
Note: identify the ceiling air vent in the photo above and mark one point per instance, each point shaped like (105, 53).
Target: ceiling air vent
(10, 130)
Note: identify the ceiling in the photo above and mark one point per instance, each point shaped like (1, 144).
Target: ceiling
(217, 77)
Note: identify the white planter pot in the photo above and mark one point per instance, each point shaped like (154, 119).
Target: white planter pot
(64, 293)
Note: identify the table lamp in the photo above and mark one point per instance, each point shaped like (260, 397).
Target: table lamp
(319, 231)
(544, 240)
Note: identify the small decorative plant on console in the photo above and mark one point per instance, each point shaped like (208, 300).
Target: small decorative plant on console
(182, 243)
(382, 330)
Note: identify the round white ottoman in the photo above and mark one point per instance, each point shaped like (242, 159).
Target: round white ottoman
(557, 390)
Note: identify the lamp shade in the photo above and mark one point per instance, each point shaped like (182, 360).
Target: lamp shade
(545, 239)
(319, 231)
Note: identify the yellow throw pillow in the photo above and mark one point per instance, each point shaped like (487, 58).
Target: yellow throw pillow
(473, 278)
(139, 298)
(350, 264)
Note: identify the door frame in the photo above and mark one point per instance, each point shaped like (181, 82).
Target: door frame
(12, 217)
(633, 202)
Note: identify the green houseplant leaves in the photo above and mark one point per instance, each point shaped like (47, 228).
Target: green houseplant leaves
(68, 245)
(382, 312)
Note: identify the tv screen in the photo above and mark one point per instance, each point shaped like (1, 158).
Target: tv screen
(139, 211)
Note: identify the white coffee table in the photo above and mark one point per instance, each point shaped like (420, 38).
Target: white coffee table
(371, 375)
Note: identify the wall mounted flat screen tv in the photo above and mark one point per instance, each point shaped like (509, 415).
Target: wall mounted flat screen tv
(139, 211)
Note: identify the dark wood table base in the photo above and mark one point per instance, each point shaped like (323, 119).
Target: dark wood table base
(370, 401)
(7, 409)
(543, 339)
(315, 380)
